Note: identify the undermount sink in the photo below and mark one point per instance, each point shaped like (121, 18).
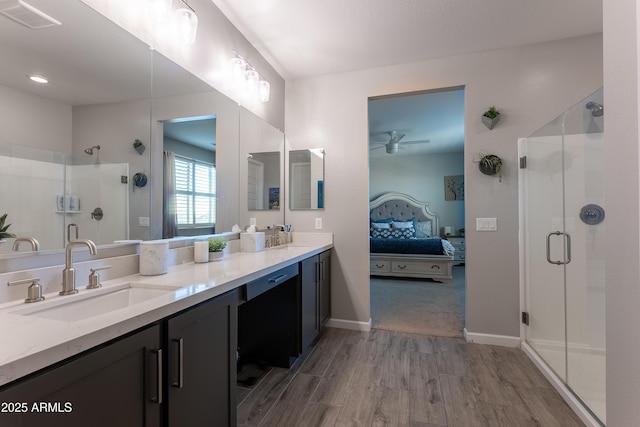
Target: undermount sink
(91, 303)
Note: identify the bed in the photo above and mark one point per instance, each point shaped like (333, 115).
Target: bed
(404, 239)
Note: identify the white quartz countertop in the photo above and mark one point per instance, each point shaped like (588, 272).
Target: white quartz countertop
(30, 343)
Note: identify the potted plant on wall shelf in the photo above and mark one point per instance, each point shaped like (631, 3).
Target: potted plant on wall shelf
(216, 248)
(139, 146)
(4, 234)
(490, 117)
(490, 164)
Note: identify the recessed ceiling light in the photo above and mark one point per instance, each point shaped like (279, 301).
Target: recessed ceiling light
(39, 79)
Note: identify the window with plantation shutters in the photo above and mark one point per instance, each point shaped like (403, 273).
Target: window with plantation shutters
(195, 193)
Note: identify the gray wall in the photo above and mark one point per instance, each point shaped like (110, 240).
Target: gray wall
(530, 84)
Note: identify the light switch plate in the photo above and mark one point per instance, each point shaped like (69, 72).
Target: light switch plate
(143, 221)
(318, 223)
(486, 224)
(252, 221)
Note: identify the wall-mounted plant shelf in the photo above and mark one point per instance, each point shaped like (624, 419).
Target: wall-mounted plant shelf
(491, 117)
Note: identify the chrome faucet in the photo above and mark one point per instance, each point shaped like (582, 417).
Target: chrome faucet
(69, 273)
(35, 245)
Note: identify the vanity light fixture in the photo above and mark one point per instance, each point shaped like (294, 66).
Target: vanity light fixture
(186, 23)
(243, 71)
(38, 79)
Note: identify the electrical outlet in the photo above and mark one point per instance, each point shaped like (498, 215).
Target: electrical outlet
(318, 223)
(143, 221)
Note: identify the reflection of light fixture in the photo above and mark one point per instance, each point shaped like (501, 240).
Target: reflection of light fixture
(187, 23)
(264, 88)
(38, 79)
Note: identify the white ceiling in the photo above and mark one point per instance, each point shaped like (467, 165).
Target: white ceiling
(304, 38)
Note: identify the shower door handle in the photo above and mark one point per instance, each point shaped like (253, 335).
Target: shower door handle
(568, 248)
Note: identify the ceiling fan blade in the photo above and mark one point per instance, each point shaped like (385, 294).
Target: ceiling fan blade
(423, 141)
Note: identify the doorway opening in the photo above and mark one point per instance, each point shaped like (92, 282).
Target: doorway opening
(416, 150)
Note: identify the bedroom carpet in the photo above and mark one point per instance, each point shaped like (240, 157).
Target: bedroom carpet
(419, 306)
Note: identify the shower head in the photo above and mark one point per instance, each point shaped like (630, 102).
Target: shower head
(597, 110)
(89, 151)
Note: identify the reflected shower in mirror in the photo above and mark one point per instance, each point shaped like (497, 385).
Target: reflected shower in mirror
(306, 179)
(263, 177)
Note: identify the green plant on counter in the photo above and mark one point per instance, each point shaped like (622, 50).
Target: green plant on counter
(4, 234)
(217, 244)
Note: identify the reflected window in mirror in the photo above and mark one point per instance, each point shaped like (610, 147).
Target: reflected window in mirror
(306, 179)
(189, 206)
(263, 181)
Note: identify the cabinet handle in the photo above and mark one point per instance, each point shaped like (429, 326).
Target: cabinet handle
(379, 265)
(158, 397)
(180, 381)
(278, 279)
(401, 267)
(321, 270)
(435, 266)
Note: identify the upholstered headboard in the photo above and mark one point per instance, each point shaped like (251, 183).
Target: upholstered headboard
(402, 207)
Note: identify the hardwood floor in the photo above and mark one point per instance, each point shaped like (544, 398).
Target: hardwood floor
(384, 378)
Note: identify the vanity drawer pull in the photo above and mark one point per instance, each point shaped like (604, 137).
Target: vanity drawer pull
(262, 285)
(158, 397)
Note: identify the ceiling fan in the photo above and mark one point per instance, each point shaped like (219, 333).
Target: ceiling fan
(394, 142)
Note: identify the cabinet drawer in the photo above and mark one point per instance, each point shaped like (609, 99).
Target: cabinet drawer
(418, 267)
(380, 266)
(262, 285)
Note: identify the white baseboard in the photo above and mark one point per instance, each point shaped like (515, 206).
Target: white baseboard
(566, 394)
(490, 339)
(349, 324)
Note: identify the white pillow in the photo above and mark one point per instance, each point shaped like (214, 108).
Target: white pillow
(380, 225)
(402, 224)
(423, 229)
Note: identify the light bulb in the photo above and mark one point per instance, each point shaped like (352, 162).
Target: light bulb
(237, 68)
(187, 24)
(264, 89)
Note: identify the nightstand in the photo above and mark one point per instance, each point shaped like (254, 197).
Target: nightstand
(458, 243)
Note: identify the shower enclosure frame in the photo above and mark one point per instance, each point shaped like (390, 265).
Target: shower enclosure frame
(559, 174)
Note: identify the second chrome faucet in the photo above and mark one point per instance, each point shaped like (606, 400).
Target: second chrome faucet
(69, 273)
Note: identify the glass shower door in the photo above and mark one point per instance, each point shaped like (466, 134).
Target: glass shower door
(563, 241)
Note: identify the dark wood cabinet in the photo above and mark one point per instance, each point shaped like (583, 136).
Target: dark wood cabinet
(119, 384)
(315, 303)
(201, 364)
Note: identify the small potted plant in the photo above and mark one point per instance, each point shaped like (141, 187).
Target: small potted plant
(216, 248)
(490, 164)
(4, 234)
(490, 117)
(139, 146)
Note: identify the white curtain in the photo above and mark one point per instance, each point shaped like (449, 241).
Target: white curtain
(169, 212)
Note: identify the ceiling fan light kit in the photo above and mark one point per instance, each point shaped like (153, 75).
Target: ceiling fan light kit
(392, 146)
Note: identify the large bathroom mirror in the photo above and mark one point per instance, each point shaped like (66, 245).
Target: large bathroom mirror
(95, 104)
(261, 172)
(306, 179)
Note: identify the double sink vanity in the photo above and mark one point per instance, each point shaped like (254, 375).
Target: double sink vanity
(162, 350)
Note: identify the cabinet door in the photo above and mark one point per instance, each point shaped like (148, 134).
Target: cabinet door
(116, 385)
(324, 300)
(201, 364)
(309, 283)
